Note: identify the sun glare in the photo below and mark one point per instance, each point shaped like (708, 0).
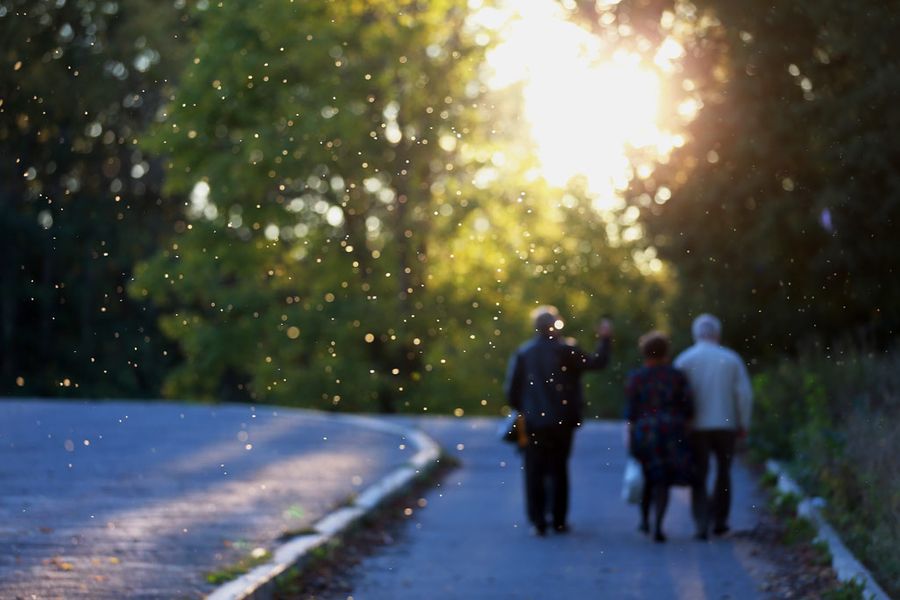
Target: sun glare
(585, 103)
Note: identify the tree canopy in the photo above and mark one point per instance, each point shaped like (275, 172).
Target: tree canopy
(323, 203)
(360, 233)
(778, 212)
(80, 199)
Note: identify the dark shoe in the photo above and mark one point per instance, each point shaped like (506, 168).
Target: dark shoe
(701, 537)
(721, 529)
(659, 538)
(561, 528)
(644, 527)
(539, 530)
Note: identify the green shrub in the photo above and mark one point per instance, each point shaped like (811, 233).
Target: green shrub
(830, 416)
(847, 590)
(769, 479)
(799, 530)
(785, 505)
(233, 571)
(821, 552)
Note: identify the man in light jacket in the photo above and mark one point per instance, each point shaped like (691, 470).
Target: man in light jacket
(723, 399)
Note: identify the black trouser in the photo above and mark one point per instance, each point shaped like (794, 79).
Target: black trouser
(547, 470)
(719, 443)
(656, 494)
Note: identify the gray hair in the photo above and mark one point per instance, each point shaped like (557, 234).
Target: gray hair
(706, 327)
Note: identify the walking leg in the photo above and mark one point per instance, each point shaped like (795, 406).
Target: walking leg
(661, 502)
(535, 475)
(646, 500)
(723, 446)
(700, 509)
(699, 496)
(562, 445)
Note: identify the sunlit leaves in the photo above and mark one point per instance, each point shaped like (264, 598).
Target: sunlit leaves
(306, 135)
(780, 209)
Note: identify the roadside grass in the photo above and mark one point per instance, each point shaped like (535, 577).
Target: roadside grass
(803, 563)
(796, 529)
(255, 558)
(830, 416)
(821, 553)
(784, 505)
(292, 533)
(328, 569)
(326, 566)
(348, 501)
(768, 479)
(799, 530)
(848, 590)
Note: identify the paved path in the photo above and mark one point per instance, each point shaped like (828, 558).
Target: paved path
(140, 500)
(472, 541)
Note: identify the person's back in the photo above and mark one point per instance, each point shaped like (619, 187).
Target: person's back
(549, 388)
(543, 384)
(723, 400)
(658, 411)
(721, 388)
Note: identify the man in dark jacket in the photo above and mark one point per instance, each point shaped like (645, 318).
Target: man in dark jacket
(543, 383)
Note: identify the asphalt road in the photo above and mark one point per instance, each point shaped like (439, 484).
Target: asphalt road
(141, 500)
(471, 541)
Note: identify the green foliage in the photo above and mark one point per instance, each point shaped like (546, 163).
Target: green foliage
(784, 504)
(847, 590)
(821, 553)
(799, 531)
(778, 214)
(790, 405)
(79, 202)
(324, 151)
(831, 414)
(779, 211)
(365, 235)
(769, 479)
(234, 571)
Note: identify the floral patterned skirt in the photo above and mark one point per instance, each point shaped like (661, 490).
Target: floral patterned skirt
(661, 444)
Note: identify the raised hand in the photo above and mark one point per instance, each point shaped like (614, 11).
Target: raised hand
(604, 328)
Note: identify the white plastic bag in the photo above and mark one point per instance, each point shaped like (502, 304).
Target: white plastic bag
(633, 482)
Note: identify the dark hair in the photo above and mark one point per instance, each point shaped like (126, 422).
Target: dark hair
(654, 344)
(545, 319)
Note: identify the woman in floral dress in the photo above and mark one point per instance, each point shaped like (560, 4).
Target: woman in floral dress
(659, 412)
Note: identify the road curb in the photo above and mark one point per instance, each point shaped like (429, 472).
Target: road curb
(260, 582)
(845, 564)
